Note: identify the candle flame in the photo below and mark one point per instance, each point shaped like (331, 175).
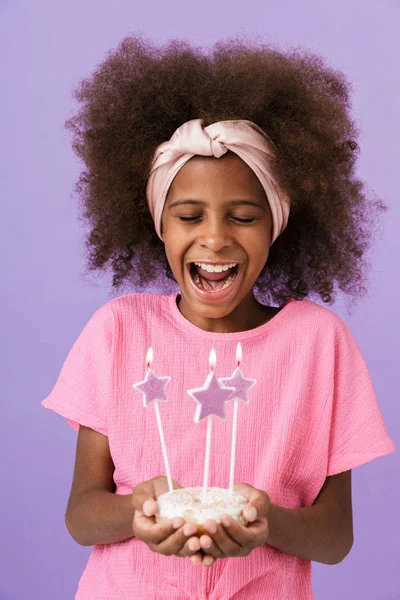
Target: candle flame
(239, 353)
(213, 359)
(149, 357)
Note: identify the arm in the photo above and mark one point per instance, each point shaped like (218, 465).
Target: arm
(322, 532)
(95, 514)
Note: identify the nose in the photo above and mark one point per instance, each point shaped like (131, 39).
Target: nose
(215, 235)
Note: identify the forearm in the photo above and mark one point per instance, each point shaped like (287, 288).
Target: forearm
(311, 533)
(100, 517)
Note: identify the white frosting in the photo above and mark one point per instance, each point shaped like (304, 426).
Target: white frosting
(187, 503)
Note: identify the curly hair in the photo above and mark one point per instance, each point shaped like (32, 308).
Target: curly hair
(141, 93)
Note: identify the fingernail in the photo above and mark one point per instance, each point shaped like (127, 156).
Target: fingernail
(226, 522)
(188, 530)
(193, 545)
(207, 543)
(147, 508)
(176, 524)
(252, 513)
(212, 528)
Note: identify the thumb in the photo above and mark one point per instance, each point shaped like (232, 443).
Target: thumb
(144, 499)
(258, 502)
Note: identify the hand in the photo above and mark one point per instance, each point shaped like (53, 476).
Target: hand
(171, 537)
(230, 538)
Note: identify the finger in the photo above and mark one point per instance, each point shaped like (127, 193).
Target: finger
(197, 558)
(150, 507)
(258, 502)
(247, 537)
(204, 560)
(144, 498)
(224, 543)
(208, 561)
(146, 530)
(209, 546)
(175, 542)
(191, 547)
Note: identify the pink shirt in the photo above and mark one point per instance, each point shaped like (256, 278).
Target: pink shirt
(313, 413)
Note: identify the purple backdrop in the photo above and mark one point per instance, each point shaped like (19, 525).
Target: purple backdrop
(45, 47)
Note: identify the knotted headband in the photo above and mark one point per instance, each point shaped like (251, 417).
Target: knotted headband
(244, 138)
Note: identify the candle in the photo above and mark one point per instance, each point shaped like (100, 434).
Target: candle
(210, 400)
(152, 388)
(240, 387)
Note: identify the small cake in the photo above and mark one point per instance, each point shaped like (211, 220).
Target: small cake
(187, 504)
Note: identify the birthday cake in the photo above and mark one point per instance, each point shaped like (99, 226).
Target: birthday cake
(199, 504)
(188, 504)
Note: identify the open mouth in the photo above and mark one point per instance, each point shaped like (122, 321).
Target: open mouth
(213, 278)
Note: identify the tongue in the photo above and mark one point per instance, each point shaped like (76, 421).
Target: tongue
(213, 276)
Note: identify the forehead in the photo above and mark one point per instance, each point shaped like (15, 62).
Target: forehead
(205, 174)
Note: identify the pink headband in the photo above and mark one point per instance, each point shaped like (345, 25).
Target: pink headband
(244, 138)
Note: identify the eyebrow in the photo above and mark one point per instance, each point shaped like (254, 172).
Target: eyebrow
(202, 203)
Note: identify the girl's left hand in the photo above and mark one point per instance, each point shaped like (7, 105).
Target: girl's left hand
(230, 538)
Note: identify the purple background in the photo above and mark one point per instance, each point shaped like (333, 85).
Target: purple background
(45, 47)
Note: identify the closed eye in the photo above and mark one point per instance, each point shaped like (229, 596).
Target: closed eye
(187, 219)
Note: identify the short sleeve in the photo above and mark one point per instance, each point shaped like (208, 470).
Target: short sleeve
(82, 392)
(358, 433)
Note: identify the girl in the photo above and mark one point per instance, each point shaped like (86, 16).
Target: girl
(231, 171)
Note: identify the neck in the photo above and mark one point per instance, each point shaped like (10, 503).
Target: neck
(248, 315)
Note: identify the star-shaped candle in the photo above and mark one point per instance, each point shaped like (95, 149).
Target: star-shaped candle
(240, 387)
(210, 400)
(152, 388)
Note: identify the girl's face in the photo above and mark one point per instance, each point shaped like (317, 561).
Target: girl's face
(216, 214)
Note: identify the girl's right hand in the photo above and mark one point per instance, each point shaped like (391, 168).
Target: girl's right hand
(172, 537)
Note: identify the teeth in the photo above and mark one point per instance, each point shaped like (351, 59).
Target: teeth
(228, 282)
(215, 268)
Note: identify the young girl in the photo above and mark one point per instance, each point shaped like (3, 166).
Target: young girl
(231, 171)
